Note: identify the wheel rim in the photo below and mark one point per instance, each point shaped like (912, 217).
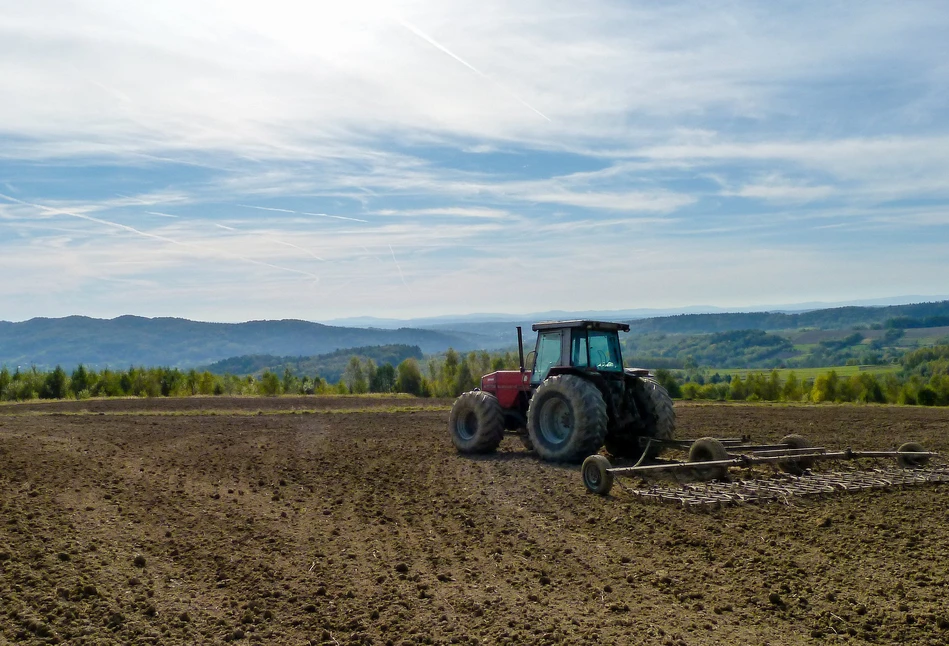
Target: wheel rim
(592, 476)
(556, 420)
(467, 425)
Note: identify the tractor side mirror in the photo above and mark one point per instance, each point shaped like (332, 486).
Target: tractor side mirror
(529, 361)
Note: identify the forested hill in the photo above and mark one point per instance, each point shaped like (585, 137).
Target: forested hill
(133, 340)
(829, 319)
(328, 366)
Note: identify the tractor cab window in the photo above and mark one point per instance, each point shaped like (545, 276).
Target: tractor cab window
(548, 355)
(596, 349)
(579, 356)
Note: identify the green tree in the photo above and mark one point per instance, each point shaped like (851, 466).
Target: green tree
(191, 382)
(171, 382)
(55, 384)
(464, 379)
(825, 387)
(290, 383)
(384, 379)
(409, 379)
(737, 390)
(269, 384)
(926, 396)
(80, 380)
(668, 381)
(867, 389)
(206, 383)
(791, 390)
(354, 377)
(370, 374)
(109, 384)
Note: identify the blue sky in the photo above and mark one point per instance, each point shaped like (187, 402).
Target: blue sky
(235, 160)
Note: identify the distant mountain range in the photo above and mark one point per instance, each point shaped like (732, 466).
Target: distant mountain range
(133, 340)
(448, 321)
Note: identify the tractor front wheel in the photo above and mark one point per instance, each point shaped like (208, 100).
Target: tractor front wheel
(476, 423)
(566, 419)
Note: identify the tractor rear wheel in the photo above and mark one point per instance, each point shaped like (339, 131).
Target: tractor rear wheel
(660, 415)
(476, 423)
(657, 420)
(566, 419)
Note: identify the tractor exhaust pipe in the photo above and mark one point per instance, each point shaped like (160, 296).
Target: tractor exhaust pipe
(520, 347)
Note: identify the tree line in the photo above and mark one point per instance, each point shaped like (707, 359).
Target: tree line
(445, 375)
(923, 380)
(864, 387)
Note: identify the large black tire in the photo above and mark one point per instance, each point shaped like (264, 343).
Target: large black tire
(660, 415)
(795, 466)
(709, 449)
(476, 424)
(658, 420)
(566, 419)
(911, 461)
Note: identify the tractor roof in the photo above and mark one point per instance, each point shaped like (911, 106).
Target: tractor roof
(590, 325)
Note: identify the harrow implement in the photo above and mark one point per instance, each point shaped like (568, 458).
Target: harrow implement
(710, 459)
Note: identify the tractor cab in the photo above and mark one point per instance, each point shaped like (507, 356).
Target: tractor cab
(588, 345)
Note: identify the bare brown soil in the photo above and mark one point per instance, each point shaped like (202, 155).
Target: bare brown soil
(129, 524)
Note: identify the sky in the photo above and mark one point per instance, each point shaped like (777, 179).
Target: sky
(227, 160)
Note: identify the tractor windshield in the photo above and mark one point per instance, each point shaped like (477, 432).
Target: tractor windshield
(598, 349)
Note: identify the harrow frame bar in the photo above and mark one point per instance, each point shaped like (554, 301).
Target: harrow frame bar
(769, 454)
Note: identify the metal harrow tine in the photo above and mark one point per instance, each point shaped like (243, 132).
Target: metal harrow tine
(786, 487)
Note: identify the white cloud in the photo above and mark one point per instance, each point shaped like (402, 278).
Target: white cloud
(396, 148)
(279, 79)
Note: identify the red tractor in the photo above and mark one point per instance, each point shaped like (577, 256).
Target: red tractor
(575, 398)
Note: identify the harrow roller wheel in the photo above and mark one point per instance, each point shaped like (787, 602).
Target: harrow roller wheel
(596, 475)
(795, 466)
(708, 449)
(476, 423)
(911, 461)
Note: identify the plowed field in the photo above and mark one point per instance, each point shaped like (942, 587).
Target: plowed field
(353, 521)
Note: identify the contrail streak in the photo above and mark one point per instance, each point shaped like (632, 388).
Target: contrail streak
(320, 215)
(335, 217)
(306, 251)
(268, 238)
(264, 208)
(434, 43)
(155, 236)
(397, 266)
